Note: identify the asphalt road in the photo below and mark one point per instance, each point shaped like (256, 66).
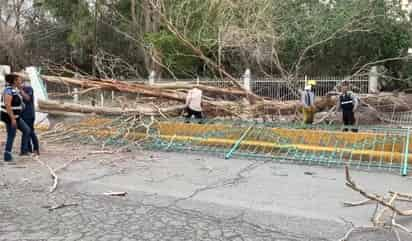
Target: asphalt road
(181, 196)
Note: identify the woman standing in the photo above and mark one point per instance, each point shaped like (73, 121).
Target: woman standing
(11, 107)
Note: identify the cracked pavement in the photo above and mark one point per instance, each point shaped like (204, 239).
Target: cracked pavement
(176, 196)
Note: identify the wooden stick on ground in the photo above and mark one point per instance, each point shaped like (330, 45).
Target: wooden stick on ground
(53, 174)
(377, 217)
(65, 165)
(359, 203)
(64, 205)
(351, 184)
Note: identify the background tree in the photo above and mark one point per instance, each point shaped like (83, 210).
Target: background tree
(272, 37)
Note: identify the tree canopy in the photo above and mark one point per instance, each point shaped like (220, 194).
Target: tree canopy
(272, 37)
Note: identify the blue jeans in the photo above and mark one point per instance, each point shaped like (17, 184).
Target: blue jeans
(33, 145)
(11, 135)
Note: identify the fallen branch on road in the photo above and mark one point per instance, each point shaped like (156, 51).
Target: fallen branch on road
(64, 205)
(119, 194)
(379, 199)
(388, 203)
(52, 173)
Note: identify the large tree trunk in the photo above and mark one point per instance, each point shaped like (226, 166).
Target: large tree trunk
(211, 103)
(163, 91)
(117, 86)
(151, 24)
(51, 106)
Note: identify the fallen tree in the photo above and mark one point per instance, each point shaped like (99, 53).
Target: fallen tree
(51, 106)
(213, 104)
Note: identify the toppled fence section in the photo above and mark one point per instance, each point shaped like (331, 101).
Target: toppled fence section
(370, 148)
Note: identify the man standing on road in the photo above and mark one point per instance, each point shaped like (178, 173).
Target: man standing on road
(347, 103)
(308, 102)
(194, 104)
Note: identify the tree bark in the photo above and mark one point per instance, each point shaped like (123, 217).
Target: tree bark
(46, 106)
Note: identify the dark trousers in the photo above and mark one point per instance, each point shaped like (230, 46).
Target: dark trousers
(11, 135)
(348, 117)
(33, 145)
(190, 113)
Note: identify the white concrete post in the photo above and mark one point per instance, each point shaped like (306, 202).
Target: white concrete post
(76, 95)
(152, 77)
(40, 93)
(246, 80)
(102, 99)
(373, 80)
(197, 81)
(112, 96)
(4, 69)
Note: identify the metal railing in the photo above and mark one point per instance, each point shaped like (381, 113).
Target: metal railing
(273, 88)
(281, 89)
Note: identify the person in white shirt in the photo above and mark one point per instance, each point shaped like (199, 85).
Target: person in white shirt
(194, 104)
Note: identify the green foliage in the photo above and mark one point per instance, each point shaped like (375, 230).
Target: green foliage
(175, 55)
(344, 35)
(76, 14)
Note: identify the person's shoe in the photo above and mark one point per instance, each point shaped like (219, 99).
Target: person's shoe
(8, 157)
(24, 154)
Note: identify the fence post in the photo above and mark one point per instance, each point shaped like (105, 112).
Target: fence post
(405, 167)
(373, 80)
(112, 96)
(39, 92)
(246, 80)
(152, 77)
(4, 69)
(76, 95)
(197, 81)
(102, 99)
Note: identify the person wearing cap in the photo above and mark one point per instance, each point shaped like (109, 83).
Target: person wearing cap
(347, 103)
(308, 103)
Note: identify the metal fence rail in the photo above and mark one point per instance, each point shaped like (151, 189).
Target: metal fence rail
(274, 88)
(372, 148)
(280, 89)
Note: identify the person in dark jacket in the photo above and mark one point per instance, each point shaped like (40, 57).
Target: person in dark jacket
(347, 103)
(28, 115)
(11, 107)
